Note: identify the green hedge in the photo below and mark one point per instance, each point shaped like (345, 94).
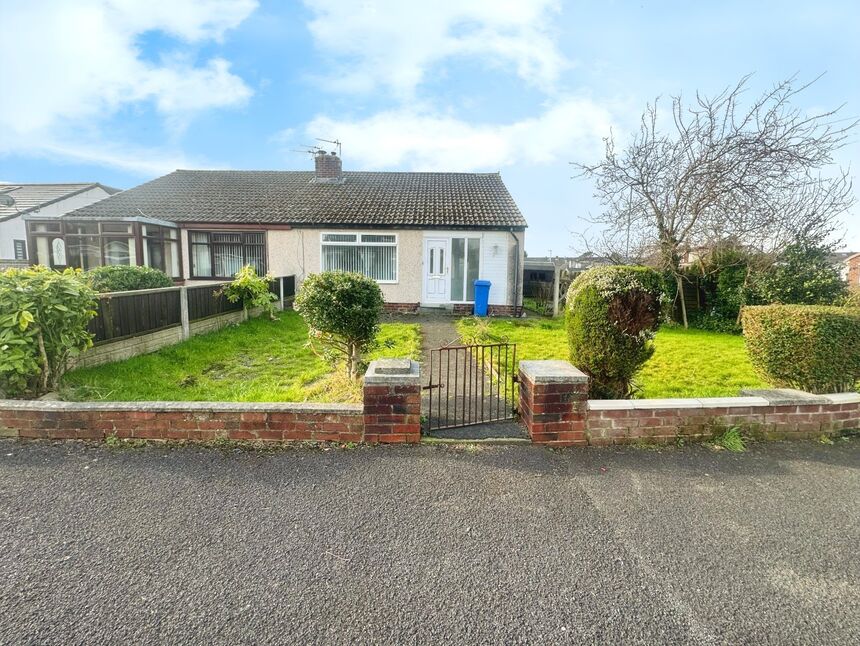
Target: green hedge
(814, 348)
(612, 314)
(124, 278)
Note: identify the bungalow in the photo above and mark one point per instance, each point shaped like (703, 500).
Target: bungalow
(48, 201)
(424, 237)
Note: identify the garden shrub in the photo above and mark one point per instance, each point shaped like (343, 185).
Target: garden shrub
(804, 274)
(612, 315)
(342, 311)
(813, 348)
(252, 290)
(43, 323)
(123, 278)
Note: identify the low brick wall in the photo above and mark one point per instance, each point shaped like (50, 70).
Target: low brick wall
(390, 413)
(555, 411)
(401, 308)
(663, 421)
(202, 421)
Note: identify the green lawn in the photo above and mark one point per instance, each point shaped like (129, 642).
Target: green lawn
(257, 361)
(686, 363)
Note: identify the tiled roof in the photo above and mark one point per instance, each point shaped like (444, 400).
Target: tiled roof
(293, 197)
(30, 197)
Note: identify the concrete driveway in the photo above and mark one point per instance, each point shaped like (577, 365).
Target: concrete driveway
(429, 544)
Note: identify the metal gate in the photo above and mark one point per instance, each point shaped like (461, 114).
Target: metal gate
(471, 384)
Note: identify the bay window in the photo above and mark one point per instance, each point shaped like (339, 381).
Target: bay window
(371, 254)
(220, 254)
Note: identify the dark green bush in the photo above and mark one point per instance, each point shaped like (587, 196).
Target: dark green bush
(342, 311)
(813, 348)
(124, 278)
(612, 314)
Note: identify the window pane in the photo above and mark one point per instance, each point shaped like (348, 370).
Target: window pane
(82, 227)
(20, 250)
(474, 267)
(201, 261)
(83, 252)
(154, 253)
(119, 251)
(200, 236)
(171, 258)
(378, 263)
(458, 267)
(116, 227)
(374, 237)
(44, 227)
(228, 257)
(339, 237)
(254, 256)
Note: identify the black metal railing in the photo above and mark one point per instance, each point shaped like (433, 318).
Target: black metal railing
(471, 384)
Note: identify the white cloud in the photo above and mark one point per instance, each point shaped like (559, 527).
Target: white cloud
(572, 127)
(68, 66)
(394, 44)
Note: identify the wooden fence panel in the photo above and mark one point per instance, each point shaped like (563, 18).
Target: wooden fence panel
(125, 314)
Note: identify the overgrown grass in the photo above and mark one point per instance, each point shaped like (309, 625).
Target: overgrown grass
(259, 360)
(731, 440)
(686, 363)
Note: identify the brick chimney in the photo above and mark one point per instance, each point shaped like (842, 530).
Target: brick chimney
(328, 168)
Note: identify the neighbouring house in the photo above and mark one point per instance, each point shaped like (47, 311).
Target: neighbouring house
(424, 237)
(46, 201)
(848, 264)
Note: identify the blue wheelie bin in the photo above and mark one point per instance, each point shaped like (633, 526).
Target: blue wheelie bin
(482, 297)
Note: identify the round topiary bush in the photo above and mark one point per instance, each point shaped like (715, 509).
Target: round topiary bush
(125, 278)
(612, 315)
(815, 348)
(342, 311)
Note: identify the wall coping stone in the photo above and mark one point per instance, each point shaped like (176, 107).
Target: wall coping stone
(552, 372)
(174, 406)
(692, 402)
(843, 398)
(379, 372)
(785, 396)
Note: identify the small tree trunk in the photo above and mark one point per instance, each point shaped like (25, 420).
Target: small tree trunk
(680, 282)
(46, 366)
(743, 291)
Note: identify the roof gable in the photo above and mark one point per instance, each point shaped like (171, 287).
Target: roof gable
(31, 197)
(292, 197)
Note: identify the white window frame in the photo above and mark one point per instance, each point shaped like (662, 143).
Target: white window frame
(480, 239)
(360, 243)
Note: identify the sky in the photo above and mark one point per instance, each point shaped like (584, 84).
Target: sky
(122, 91)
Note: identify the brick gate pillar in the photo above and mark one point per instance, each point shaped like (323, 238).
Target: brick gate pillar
(392, 401)
(553, 402)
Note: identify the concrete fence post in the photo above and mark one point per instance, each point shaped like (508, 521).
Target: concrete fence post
(183, 313)
(392, 401)
(553, 402)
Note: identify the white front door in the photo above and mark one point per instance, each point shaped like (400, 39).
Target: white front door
(437, 267)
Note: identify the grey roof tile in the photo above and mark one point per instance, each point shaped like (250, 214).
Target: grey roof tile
(292, 197)
(30, 197)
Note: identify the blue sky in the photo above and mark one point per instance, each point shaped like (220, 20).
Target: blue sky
(121, 91)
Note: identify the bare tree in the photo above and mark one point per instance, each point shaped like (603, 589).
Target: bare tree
(718, 171)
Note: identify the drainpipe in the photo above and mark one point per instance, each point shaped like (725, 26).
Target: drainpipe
(517, 308)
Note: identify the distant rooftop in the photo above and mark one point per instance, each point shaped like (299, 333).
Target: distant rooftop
(32, 197)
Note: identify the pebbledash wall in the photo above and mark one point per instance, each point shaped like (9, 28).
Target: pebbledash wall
(554, 408)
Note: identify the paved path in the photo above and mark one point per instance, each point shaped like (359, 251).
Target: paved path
(455, 403)
(403, 545)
